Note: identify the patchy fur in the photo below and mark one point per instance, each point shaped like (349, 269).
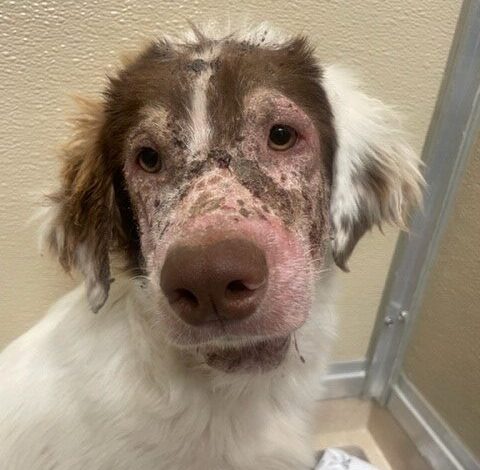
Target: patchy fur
(136, 386)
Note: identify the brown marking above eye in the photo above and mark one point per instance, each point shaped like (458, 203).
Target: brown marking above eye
(149, 160)
(282, 137)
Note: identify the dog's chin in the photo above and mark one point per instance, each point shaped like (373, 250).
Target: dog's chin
(261, 356)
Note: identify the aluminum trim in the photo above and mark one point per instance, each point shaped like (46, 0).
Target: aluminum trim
(438, 444)
(453, 130)
(344, 380)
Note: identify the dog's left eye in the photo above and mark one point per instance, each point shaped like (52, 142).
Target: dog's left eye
(282, 137)
(149, 160)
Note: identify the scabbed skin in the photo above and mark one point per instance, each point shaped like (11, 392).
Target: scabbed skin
(134, 386)
(207, 108)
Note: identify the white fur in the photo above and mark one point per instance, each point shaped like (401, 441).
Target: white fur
(260, 34)
(368, 133)
(200, 125)
(47, 217)
(93, 391)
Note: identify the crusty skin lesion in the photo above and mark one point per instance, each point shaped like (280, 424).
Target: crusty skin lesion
(156, 106)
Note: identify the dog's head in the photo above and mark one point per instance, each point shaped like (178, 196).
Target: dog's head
(228, 172)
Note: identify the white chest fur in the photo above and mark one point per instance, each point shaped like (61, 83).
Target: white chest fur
(91, 391)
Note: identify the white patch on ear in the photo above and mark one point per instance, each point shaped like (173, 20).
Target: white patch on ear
(47, 216)
(97, 276)
(375, 173)
(52, 238)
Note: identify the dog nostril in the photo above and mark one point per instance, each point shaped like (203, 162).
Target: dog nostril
(241, 290)
(236, 287)
(185, 297)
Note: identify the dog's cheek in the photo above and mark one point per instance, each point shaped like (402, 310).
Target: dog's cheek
(319, 231)
(153, 199)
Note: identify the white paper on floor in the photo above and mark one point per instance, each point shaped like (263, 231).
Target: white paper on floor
(336, 459)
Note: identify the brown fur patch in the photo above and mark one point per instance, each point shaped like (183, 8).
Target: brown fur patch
(88, 222)
(290, 69)
(83, 196)
(159, 76)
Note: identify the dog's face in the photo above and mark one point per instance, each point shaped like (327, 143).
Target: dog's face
(222, 170)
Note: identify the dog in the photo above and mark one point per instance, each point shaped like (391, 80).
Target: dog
(215, 183)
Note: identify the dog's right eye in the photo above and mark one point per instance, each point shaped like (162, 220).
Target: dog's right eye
(149, 160)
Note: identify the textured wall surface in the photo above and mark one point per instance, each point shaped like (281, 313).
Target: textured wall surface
(443, 360)
(51, 49)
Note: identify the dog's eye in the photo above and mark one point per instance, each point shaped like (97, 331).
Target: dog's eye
(149, 160)
(282, 137)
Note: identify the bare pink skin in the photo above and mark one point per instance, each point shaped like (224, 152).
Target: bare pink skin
(286, 303)
(267, 107)
(215, 204)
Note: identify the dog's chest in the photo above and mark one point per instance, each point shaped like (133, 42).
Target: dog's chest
(215, 436)
(221, 434)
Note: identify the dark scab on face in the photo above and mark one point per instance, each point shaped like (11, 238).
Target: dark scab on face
(244, 212)
(209, 205)
(215, 64)
(200, 185)
(185, 177)
(197, 66)
(224, 162)
(286, 203)
(214, 180)
(317, 205)
(221, 157)
(182, 180)
(290, 205)
(260, 214)
(164, 229)
(177, 142)
(203, 197)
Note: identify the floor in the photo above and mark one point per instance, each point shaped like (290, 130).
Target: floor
(353, 422)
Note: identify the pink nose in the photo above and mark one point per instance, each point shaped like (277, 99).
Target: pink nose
(225, 280)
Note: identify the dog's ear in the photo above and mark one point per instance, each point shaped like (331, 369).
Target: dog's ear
(82, 217)
(375, 173)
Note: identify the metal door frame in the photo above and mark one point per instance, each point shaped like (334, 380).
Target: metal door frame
(454, 127)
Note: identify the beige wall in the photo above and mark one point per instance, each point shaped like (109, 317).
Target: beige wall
(443, 360)
(53, 48)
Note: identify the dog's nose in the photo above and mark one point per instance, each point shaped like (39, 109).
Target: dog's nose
(224, 280)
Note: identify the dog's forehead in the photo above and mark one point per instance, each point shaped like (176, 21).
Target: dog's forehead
(219, 72)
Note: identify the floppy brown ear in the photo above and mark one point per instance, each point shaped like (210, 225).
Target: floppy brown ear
(375, 173)
(83, 213)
